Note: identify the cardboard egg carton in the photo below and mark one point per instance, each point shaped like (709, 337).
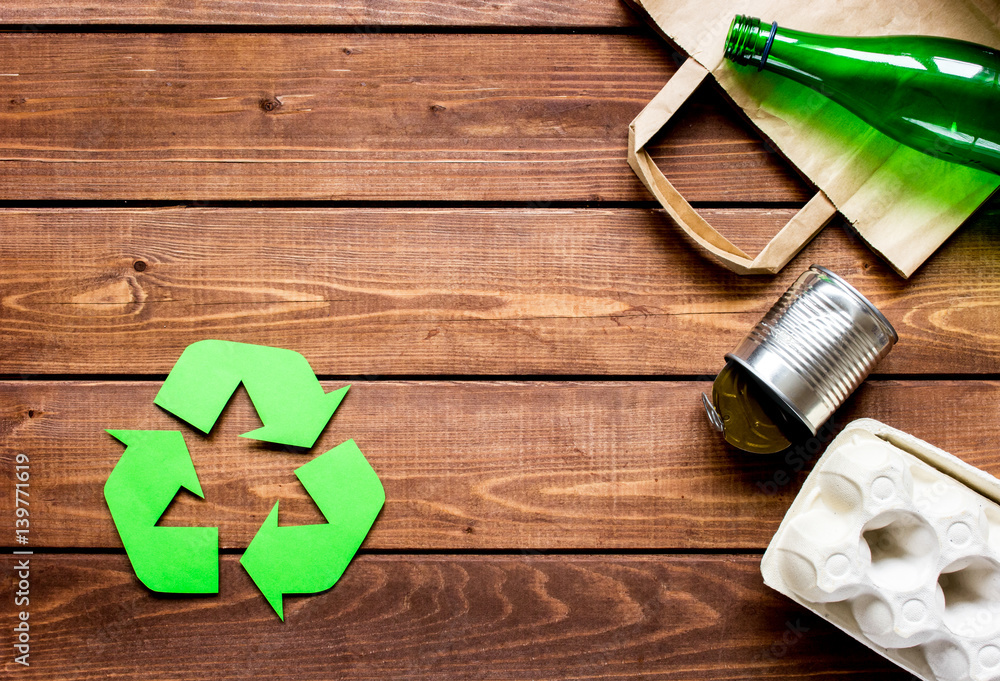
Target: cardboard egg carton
(897, 543)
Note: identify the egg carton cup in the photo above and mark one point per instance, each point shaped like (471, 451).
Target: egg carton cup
(897, 543)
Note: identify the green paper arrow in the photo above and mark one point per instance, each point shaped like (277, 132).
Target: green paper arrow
(311, 558)
(281, 384)
(153, 468)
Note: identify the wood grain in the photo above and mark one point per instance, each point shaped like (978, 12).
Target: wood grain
(364, 14)
(534, 529)
(441, 617)
(447, 291)
(469, 465)
(466, 117)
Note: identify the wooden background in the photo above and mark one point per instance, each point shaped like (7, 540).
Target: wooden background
(430, 201)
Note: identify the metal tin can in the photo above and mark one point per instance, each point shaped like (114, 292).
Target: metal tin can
(815, 346)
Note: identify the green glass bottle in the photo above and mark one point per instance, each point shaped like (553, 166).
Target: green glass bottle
(937, 95)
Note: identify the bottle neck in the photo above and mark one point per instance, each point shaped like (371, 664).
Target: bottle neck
(809, 58)
(749, 41)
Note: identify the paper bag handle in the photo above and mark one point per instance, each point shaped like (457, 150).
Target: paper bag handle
(803, 226)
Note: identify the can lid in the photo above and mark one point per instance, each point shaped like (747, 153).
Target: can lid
(745, 415)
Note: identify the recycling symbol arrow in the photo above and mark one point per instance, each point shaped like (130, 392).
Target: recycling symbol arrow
(294, 410)
(281, 384)
(155, 465)
(313, 557)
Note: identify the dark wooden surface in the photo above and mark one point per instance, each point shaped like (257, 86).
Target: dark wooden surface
(430, 201)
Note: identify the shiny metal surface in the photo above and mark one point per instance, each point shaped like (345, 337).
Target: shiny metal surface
(816, 345)
(714, 417)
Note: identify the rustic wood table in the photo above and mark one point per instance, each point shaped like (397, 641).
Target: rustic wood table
(431, 202)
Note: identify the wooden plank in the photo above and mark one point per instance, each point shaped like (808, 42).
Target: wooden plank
(469, 465)
(447, 291)
(439, 617)
(195, 116)
(366, 15)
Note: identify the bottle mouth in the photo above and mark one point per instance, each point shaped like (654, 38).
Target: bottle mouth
(746, 41)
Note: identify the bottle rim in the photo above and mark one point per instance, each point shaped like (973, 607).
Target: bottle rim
(745, 43)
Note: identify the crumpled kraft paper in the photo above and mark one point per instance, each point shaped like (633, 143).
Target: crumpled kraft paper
(902, 202)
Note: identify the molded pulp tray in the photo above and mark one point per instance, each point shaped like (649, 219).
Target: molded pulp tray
(897, 543)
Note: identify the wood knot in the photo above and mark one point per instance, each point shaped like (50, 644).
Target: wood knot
(348, 51)
(269, 104)
(139, 266)
(437, 107)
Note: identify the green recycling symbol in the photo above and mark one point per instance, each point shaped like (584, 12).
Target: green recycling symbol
(294, 409)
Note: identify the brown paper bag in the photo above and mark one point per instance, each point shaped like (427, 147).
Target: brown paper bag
(902, 202)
